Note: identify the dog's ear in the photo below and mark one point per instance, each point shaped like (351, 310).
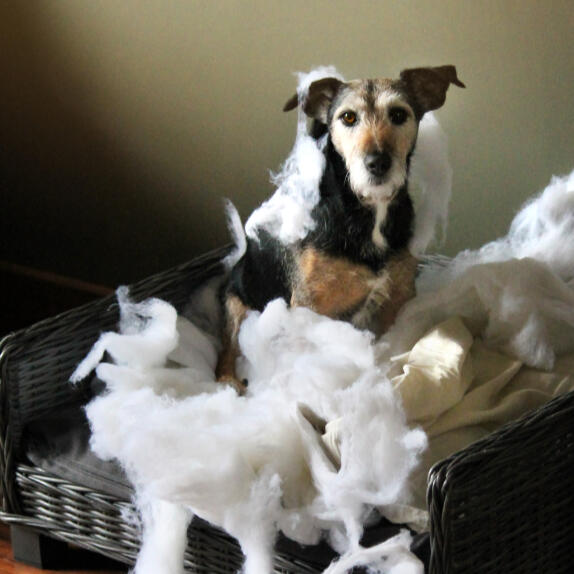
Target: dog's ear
(318, 98)
(427, 86)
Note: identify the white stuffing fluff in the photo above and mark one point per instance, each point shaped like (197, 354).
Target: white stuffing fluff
(517, 306)
(256, 464)
(431, 174)
(237, 235)
(164, 537)
(544, 228)
(287, 214)
(516, 291)
(130, 347)
(392, 556)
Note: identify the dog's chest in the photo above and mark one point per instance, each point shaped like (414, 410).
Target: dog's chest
(377, 236)
(346, 229)
(342, 289)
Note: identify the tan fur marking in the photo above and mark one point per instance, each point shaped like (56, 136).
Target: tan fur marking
(376, 135)
(235, 312)
(367, 142)
(329, 285)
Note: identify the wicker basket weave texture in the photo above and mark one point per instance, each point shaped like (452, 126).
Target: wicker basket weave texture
(104, 524)
(505, 504)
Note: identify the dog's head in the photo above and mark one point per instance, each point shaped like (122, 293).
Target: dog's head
(373, 124)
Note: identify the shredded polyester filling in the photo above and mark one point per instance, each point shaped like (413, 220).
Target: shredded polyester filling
(336, 428)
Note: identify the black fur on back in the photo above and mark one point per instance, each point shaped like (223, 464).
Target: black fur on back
(262, 274)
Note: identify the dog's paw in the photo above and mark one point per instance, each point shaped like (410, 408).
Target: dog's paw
(239, 386)
(362, 319)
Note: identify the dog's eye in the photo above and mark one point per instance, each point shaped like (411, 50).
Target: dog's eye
(398, 116)
(349, 118)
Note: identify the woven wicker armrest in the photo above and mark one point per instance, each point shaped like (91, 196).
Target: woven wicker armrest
(36, 363)
(505, 503)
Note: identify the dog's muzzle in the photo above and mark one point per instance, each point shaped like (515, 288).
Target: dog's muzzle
(379, 163)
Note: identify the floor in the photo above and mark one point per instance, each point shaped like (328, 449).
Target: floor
(9, 566)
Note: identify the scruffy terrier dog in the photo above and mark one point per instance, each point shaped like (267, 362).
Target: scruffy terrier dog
(355, 264)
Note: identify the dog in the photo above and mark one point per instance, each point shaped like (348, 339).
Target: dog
(354, 264)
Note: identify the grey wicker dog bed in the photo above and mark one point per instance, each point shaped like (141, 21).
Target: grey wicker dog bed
(503, 505)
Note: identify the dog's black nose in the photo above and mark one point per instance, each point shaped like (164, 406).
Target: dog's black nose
(378, 163)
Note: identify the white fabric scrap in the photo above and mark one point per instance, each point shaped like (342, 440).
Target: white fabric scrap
(479, 390)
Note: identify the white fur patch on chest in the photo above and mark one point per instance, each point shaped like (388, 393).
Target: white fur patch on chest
(381, 208)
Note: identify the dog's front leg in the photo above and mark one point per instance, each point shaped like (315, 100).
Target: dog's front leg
(390, 290)
(225, 372)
